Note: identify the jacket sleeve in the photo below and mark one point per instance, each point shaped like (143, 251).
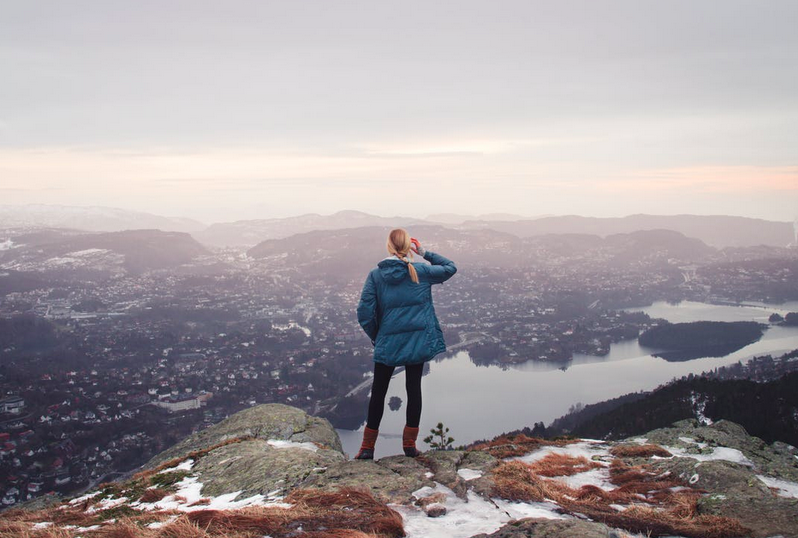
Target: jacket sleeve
(367, 309)
(441, 270)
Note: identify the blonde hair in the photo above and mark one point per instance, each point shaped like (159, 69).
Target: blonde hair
(399, 245)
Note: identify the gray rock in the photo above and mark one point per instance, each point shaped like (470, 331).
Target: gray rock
(435, 510)
(444, 465)
(390, 481)
(254, 467)
(734, 491)
(551, 528)
(774, 460)
(269, 421)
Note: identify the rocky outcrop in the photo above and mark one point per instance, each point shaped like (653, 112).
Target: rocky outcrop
(778, 459)
(686, 480)
(736, 488)
(269, 449)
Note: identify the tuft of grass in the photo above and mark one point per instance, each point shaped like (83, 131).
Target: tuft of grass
(316, 511)
(505, 446)
(639, 451)
(562, 465)
(153, 495)
(516, 481)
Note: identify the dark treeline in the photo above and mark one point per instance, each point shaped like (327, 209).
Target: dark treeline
(761, 395)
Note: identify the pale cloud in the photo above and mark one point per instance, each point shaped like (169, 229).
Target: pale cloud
(708, 179)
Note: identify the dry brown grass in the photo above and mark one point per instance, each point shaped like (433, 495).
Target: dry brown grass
(639, 451)
(315, 511)
(344, 513)
(652, 507)
(506, 446)
(515, 480)
(154, 495)
(562, 465)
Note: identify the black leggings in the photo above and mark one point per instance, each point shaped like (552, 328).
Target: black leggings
(379, 388)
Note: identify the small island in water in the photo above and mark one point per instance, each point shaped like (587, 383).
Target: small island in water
(688, 341)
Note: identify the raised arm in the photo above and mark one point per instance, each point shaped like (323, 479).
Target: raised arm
(441, 270)
(367, 309)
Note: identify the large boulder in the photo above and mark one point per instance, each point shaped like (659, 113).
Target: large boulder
(735, 491)
(268, 450)
(392, 479)
(779, 459)
(731, 477)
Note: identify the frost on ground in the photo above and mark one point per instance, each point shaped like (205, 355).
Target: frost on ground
(468, 474)
(785, 487)
(185, 465)
(466, 518)
(188, 495)
(587, 448)
(718, 453)
(279, 443)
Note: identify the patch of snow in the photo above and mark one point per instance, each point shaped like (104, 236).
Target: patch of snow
(691, 441)
(280, 443)
(84, 497)
(519, 510)
(718, 453)
(594, 477)
(88, 252)
(106, 504)
(190, 489)
(463, 519)
(639, 440)
(699, 408)
(87, 529)
(42, 524)
(785, 487)
(586, 449)
(8, 244)
(184, 465)
(429, 474)
(468, 474)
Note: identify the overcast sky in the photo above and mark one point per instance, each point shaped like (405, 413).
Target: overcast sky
(226, 110)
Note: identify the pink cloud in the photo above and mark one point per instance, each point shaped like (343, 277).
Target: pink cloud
(708, 179)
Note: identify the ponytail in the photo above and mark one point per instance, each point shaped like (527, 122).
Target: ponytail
(399, 245)
(411, 270)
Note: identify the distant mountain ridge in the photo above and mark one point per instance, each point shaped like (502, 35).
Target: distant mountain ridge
(346, 253)
(251, 232)
(91, 218)
(718, 231)
(69, 250)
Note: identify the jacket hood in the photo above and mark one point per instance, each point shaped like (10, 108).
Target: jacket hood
(393, 271)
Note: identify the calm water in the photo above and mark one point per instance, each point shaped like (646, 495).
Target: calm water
(478, 402)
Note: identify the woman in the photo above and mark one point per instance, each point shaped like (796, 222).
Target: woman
(396, 312)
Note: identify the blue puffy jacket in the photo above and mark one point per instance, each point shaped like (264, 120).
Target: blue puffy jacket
(397, 314)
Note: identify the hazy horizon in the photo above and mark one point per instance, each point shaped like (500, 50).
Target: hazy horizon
(420, 216)
(269, 109)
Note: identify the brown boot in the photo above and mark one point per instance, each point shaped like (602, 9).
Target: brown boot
(409, 436)
(367, 446)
